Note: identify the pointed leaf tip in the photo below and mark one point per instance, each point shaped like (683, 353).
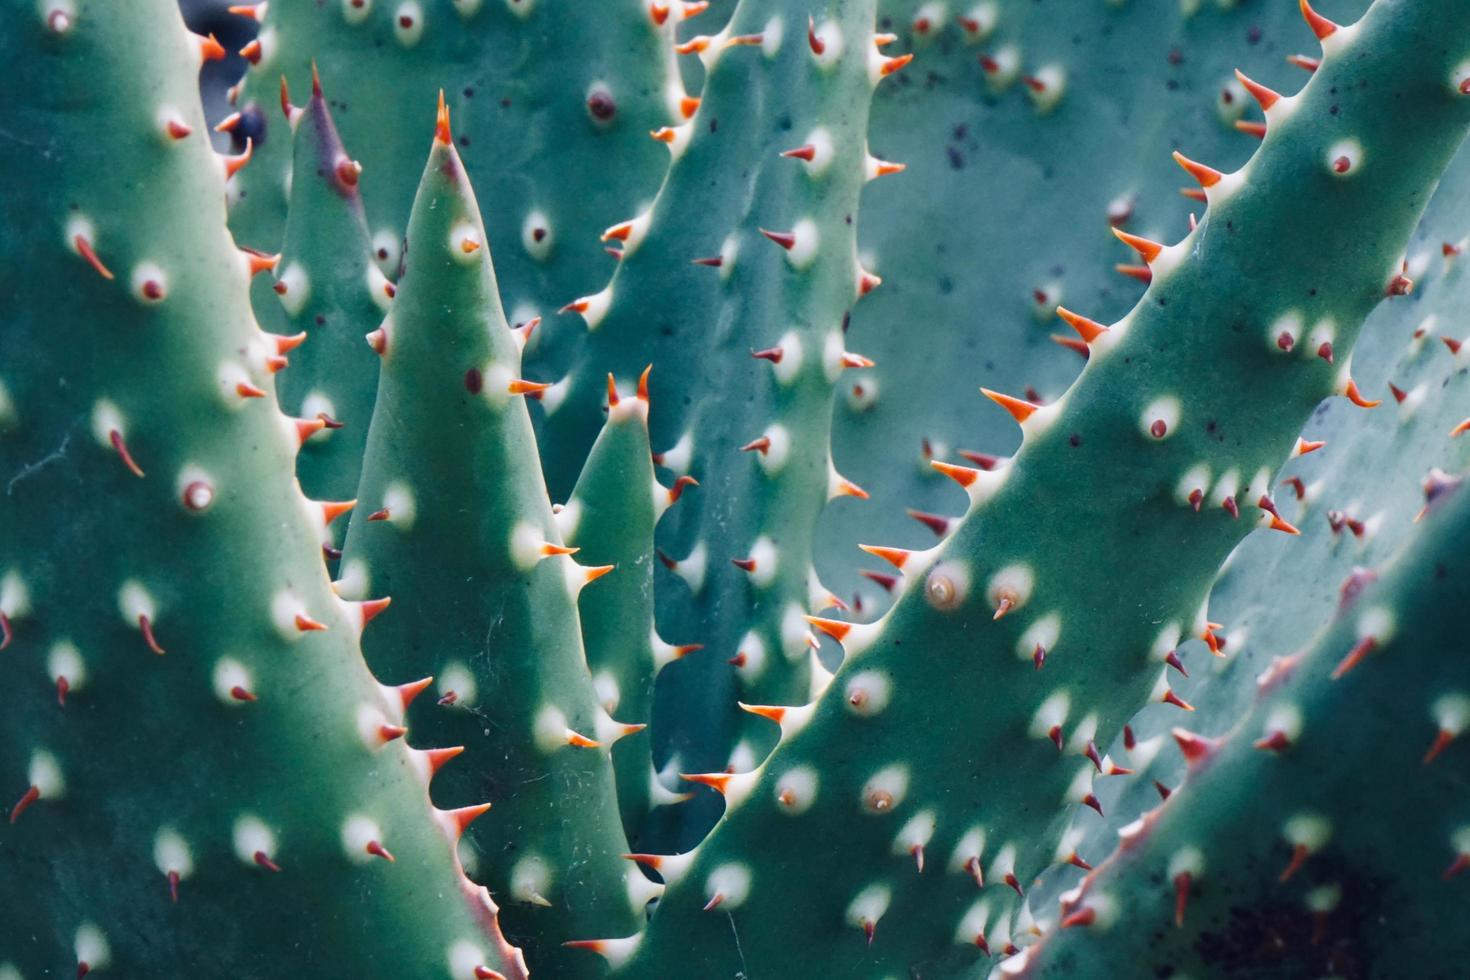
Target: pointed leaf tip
(441, 122)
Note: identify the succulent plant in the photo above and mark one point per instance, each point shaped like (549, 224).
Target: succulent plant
(395, 584)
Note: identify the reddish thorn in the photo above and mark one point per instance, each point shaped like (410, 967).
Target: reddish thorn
(1081, 917)
(1265, 96)
(1195, 748)
(983, 460)
(1163, 790)
(306, 428)
(84, 249)
(241, 694)
(146, 627)
(1297, 486)
(761, 445)
(115, 437)
(1299, 855)
(1303, 62)
(894, 64)
(7, 633)
(1206, 176)
(210, 48)
(378, 850)
(1010, 879)
(1089, 330)
(748, 564)
(772, 354)
(714, 262)
(1342, 165)
(173, 887)
(1325, 351)
(1285, 341)
(677, 490)
(1231, 507)
(1129, 741)
(1171, 698)
(462, 817)
(438, 757)
(520, 386)
(1172, 659)
(806, 153)
(1452, 344)
(30, 796)
(937, 523)
(1458, 865)
(1020, 409)
(306, 624)
(1182, 882)
(1076, 861)
(331, 510)
(372, 607)
(885, 581)
(1092, 801)
(1092, 755)
(1321, 26)
(62, 686)
(785, 239)
(485, 973)
(1140, 272)
(962, 475)
(1149, 250)
(972, 865)
(1055, 734)
(1277, 741)
(834, 628)
(818, 46)
(1441, 742)
(442, 134)
(448, 699)
(1355, 656)
(264, 860)
(1304, 446)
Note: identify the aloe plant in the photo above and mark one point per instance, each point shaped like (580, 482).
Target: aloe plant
(395, 583)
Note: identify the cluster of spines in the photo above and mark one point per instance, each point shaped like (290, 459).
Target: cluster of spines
(597, 82)
(173, 414)
(610, 519)
(821, 66)
(952, 583)
(1321, 717)
(495, 615)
